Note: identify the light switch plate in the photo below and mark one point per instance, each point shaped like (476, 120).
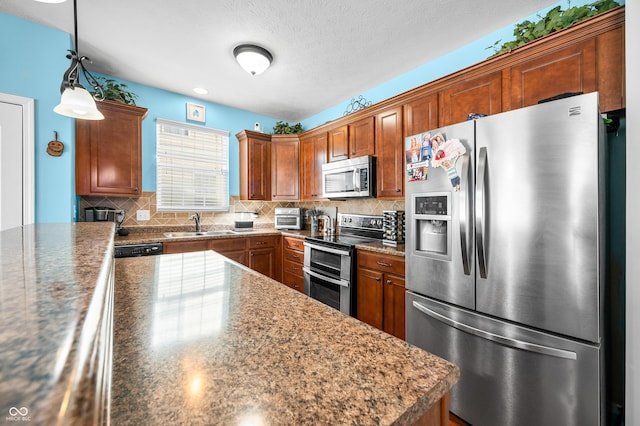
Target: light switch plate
(142, 215)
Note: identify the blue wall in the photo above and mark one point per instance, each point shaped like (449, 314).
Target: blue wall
(456, 60)
(32, 62)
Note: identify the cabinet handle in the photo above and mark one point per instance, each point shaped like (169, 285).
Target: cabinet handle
(388, 265)
(260, 242)
(377, 279)
(389, 281)
(295, 256)
(251, 254)
(398, 190)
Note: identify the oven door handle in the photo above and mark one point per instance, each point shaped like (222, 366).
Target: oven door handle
(325, 278)
(327, 249)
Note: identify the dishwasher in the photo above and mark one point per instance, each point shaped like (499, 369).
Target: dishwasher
(136, 250)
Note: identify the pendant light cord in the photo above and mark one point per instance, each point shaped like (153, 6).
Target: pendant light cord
(75, 25)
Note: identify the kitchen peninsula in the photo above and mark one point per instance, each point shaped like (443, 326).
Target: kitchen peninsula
(197, 339)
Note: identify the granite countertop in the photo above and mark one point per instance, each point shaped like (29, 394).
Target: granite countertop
(199, 340)
(52, 287)
(157, 235)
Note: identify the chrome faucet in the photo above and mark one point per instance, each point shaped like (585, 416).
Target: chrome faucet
(196, 217)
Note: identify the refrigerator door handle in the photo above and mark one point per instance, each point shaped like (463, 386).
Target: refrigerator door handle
(481, 213)
(465, 214)
(503, 340)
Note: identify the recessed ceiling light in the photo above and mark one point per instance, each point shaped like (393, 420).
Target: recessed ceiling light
(200, 90)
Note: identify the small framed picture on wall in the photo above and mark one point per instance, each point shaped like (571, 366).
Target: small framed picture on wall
(195, 112)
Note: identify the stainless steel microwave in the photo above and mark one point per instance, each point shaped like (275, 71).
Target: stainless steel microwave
(355, 177)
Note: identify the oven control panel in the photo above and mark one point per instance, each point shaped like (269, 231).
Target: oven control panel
(347, 220)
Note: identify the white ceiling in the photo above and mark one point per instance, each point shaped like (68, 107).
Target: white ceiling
(325, 51)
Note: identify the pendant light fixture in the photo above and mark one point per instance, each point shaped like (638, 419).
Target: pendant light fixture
(253, 59)
(75, 100)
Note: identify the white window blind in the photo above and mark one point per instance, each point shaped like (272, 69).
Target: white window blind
(192, 167)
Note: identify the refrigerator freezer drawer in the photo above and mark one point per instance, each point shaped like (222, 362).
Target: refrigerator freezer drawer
(509, 374)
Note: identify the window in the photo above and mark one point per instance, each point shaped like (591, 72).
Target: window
(192, 167)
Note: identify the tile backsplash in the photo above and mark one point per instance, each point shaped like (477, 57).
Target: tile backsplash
(238, 209)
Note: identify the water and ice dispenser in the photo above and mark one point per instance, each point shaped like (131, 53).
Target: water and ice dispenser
(432, 222)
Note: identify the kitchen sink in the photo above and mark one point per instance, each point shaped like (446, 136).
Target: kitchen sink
(199, 233)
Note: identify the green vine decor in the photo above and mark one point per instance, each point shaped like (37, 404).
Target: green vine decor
(284, 128)
(115, 91)
(556, 19)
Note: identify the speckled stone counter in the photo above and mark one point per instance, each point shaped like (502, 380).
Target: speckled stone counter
(53, 287)
(201, 340)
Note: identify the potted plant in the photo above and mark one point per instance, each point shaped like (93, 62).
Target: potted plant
(284, 128)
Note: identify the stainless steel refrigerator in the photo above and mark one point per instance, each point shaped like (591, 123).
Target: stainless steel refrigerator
(505, 243)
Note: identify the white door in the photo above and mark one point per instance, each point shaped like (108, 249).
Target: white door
(16, 161)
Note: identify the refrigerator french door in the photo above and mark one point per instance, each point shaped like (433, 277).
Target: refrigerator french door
(505, 264)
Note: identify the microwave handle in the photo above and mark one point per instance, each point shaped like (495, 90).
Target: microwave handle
(356, 180)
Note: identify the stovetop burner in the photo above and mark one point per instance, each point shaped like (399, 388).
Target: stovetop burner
(354, 229)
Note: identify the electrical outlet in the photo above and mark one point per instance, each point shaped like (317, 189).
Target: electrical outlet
(143, 215)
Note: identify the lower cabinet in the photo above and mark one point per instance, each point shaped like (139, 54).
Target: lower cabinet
(292, 262)
(259, 253)
(380, 292)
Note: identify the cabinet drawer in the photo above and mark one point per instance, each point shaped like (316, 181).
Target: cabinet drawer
(227, 244)
(293, 268)
(381, 262)
(293, 243)
(293, 281)
(185, 246)
(293, 256)
(261, 242)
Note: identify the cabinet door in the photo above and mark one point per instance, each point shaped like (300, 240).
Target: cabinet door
(369, 297)
(572, 69)
(361, 138)
(285, 172)
(259, 173)
(108, 152)
(313, 155)
(255, 165)
(394, 305)
(421, 115)
(263, 261)
(611, 76)
(239, 256)
(170, 247)
(339, 144)
(389, 153)
(481, 95)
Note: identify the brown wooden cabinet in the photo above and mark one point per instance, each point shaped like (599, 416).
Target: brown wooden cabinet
(260, 253)
(421, 115)
(109, 152)
(572, 69)
(362, 137)
(171, 247)
(292, 262)
(338, 147)
(313, 154)
(285, 168)
(263, 255)
(380, 292)
(233, 248)
(481, 95)
(255, 165)
(390, 154)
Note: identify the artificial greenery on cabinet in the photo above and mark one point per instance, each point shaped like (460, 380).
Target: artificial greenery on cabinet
(556, 19)
(284, 128)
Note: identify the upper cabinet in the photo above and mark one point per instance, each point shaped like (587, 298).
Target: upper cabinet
(352, 140)
(255, 165)
(109, 152)
(481, 95)
(362, 137)
(313, 154)
(338, 143)
(421, 114)
(390, 154)
(285, 171)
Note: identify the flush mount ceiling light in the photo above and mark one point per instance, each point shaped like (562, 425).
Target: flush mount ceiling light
(253, 59)
(75, 100)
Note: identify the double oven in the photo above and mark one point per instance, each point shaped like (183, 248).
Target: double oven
(330, 263)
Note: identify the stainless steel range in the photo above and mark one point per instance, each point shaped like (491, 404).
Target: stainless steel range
(329, 260)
